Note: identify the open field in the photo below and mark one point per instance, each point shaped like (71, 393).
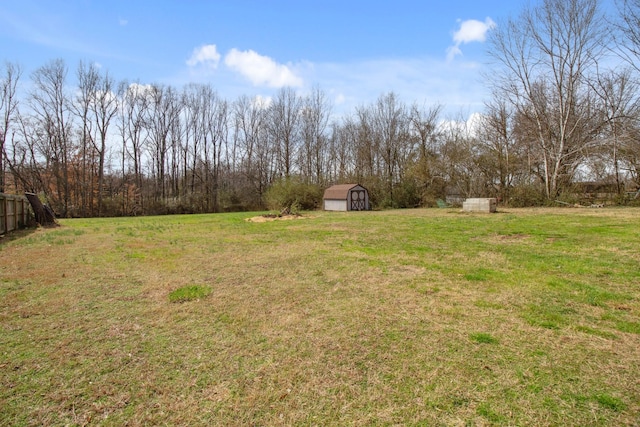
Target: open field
(412, 317)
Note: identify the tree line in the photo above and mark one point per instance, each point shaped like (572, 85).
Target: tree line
(564, 110)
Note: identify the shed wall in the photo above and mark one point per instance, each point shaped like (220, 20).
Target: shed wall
(479, 205)
(335, 205)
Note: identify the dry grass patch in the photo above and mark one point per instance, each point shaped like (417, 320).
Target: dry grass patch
(276, 217)
(412, 317)
(508, 238)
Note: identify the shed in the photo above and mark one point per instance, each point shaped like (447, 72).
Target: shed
(480, 205)
(346, 197)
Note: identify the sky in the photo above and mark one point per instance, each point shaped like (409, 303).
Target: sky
(427, 53)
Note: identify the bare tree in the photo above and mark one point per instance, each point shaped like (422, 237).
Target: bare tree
(425, 131)
(546, 56)
(341, 153)
(205, 117)
(283, 118)
(50, 105)
(257, 156)
(176, 136)
(95, 106)
(216, 131)
(457, 158)
(316, 111)
(629, 24)
(134, 102)
(500, 157)
(163, 110)
(87, 86)
(194, 133)
(28, 155)
(104, 107)
(390, 124)
(8, 110)
(365, 143)
(619, 105)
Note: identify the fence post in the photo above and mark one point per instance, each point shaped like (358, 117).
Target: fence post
(10, 213)
(23, 216)
(3, 208)
(15, 216)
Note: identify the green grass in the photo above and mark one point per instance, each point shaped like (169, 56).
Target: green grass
(483, 338)
(407, 317)
(189, 293)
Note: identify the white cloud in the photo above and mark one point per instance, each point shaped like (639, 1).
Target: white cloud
(474, 122)
(123, 22)
(261, 102)
(452, 52)
(467, 127)
(206, 55)
(136, 89)
(473, 31)
(261, 70)
(457, 86)
(470, 31)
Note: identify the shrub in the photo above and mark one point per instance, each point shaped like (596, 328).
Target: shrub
(406, 194)
(293, 194)
(526, 195)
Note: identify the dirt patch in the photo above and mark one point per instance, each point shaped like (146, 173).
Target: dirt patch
(506, 238)
(275, 217)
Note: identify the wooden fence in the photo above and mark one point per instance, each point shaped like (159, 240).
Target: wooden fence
(14, 212)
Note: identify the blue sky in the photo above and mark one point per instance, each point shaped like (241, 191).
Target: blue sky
(426, 52)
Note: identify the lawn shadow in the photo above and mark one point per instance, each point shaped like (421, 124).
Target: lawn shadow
(16, 235)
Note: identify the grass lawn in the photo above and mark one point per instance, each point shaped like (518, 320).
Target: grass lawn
(407, 317)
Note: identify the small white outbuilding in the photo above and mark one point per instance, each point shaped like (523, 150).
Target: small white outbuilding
(480, 205)
(346, 197)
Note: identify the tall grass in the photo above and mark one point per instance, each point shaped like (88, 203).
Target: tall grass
(407, 317)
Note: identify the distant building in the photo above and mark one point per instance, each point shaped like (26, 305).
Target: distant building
(454, 196)
(596, 190)
(346, 197)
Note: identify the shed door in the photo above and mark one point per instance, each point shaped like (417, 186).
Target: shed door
(358, 200)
